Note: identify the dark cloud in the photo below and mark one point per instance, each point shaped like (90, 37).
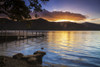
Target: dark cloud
(59, 15)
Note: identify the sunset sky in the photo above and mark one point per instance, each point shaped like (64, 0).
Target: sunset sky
(72, 10)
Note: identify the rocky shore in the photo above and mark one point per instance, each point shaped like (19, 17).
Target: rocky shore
(19, 60)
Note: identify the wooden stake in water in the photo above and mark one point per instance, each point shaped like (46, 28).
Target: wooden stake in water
(23, 36)
(27, 35)
(2, 38)
(15, 35)
(19, 37)
(32, 35)
(6, 38)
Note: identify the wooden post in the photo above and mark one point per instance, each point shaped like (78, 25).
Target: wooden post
(6, 37)
(32, 35)
(2, 39)
(36, 34)
(23, 36)
(19, 37)
(15, 35)
(27, 35)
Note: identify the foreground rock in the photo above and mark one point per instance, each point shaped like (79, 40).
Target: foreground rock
(19, 60)
(18, 56)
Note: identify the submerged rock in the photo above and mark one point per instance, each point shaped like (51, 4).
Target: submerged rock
(42, 48)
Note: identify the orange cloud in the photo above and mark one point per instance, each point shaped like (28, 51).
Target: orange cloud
(58, 15)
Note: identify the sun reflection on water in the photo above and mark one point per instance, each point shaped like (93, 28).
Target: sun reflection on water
(67, 40)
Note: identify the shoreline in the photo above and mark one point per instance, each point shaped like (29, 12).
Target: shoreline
(19, 60)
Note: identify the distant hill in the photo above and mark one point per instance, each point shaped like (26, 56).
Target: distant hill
(42, 24)
(91, 26)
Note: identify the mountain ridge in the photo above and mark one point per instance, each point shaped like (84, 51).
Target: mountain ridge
(42, 24)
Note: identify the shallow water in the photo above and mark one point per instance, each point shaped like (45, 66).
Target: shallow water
(63, 48)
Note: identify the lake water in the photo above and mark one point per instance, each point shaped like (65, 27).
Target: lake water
(63, 48)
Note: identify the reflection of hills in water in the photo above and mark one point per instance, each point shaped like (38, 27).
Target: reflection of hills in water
(6, 35)
(41, 24)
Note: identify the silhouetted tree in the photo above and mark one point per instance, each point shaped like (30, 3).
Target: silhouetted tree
(20, 9)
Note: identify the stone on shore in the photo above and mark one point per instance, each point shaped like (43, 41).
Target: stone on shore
(39, 55)
(18, 56)
(40, 52)
(2, 61)
(32, 60)
(27, 57)
(35, 58)
(19, 60)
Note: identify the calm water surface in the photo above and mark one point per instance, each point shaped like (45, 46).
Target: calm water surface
(63, 48)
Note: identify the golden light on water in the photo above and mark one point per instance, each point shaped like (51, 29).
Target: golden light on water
(62, 39)
(65, 40)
